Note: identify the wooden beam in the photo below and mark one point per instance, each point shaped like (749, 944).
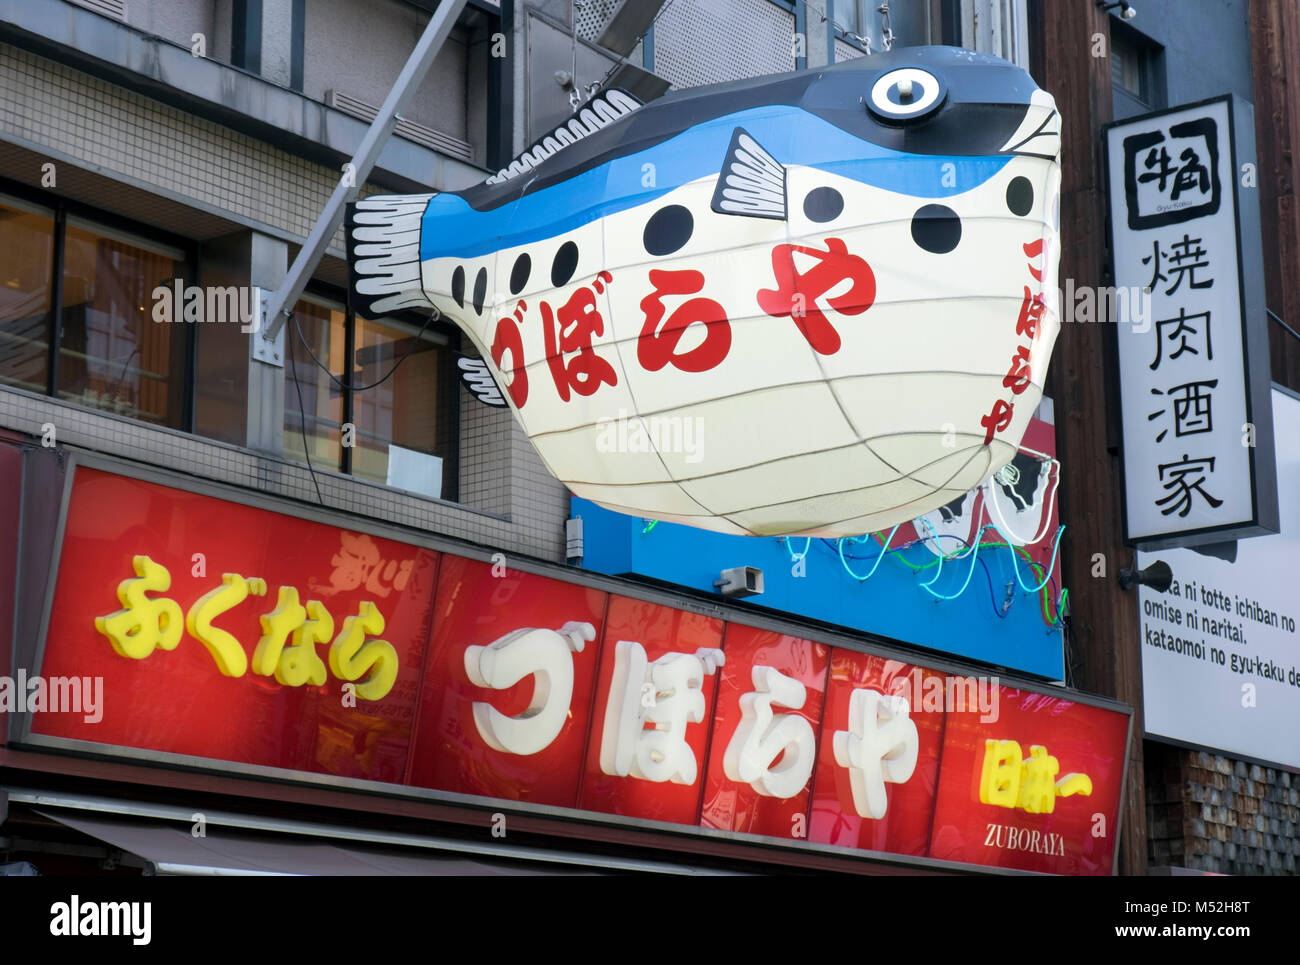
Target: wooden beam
(1275, 66)
(1073, 41)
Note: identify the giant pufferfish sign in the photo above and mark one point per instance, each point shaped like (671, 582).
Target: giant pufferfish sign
(843, 281)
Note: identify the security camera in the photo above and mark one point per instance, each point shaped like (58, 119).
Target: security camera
(1126, 10)
(740, 581)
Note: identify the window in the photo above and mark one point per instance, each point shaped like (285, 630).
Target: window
(26, 293)
(847, 14)
(1135, 71)
(87, 289)
(392, 419)
(112, 354)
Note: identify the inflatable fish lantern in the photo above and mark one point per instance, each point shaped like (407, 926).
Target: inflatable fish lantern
(817, 303)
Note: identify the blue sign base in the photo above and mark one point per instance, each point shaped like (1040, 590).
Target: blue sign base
(990, 617)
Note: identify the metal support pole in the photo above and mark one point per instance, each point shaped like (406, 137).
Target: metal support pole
(280, 304)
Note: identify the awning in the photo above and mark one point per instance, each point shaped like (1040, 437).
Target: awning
(174, 851)
(242, 844)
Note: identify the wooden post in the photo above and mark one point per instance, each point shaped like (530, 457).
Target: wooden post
(1275, 66)
(1073, 44)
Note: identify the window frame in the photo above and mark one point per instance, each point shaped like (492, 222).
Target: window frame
(66, 212)
(1150, 70)
(442, 333)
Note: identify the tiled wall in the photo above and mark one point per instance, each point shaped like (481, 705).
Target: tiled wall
(539, 504)
(485, 451)
(145, 142)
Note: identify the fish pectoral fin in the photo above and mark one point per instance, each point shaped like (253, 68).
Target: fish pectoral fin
(477, 378)
(751, 182)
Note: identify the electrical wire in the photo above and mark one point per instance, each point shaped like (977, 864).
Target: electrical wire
(361, 388)
(1278, 318)
(858, 539)
(796, 557)
(837, 547)
(302, 417)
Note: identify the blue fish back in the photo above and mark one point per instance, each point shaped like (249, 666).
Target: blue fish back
(452, 228)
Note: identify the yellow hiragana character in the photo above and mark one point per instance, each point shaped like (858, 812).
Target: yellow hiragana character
(298, 663)
(352, 656)
(225, 649)
(143, 624)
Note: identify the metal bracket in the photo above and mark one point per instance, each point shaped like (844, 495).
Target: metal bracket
(268, 350)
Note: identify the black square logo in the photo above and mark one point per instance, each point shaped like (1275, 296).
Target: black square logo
(1171, 177)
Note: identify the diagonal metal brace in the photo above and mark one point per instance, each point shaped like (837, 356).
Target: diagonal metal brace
(281, 302)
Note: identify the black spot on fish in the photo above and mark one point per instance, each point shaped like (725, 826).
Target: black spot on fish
(1020, 196)
(668, 229)
(458, 285)
(936, 228)
(565, 264)
(1026, 485)
(953, 510)
(519, 274)
(823, 204)
(480, 290)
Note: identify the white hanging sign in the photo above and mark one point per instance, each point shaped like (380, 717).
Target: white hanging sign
(1194, 398)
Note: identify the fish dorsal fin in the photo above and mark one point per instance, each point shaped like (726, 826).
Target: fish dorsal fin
(599, 112)
(751, 182)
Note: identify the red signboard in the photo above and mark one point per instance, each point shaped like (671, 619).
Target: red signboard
(753, 798)
(476, 609)
(228, 633)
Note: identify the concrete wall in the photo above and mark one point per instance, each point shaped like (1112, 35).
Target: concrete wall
(177, 20)
(360, 48)
(1206, 50)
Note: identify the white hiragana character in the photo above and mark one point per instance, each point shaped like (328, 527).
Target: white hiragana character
(666, 694)
(545, 654)
(880, 745)
(762, 737)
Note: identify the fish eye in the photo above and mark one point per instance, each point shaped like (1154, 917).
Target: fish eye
(905, 94)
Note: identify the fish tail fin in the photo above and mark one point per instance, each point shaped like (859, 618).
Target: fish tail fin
(383, 244)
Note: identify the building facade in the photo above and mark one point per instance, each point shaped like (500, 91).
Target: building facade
(162, 161)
